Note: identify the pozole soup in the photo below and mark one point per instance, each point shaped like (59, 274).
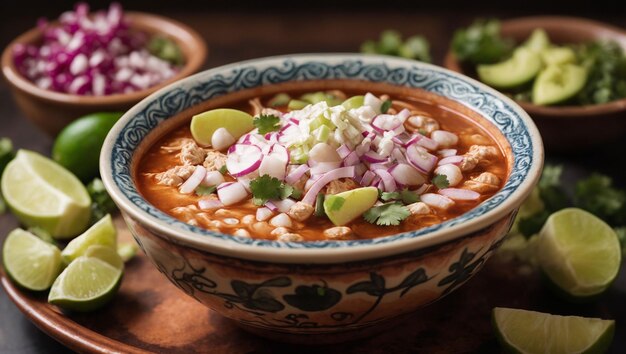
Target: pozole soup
(324, 165)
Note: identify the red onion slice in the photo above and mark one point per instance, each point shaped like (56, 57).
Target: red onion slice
(420, 158)
(387, 122)
(271, 206)
(423, 141)
(311, 194)
(453, 160)
(436, 200)
(403, 115)
(231, 193)
(407, 175)
(459, 194)
(447, 152)
(352, 159)
(387, 179)
(193, 181)
(343, 151)
(373, 157)
(243, 159)
(295, 175)
(367, 178)
(284, 205)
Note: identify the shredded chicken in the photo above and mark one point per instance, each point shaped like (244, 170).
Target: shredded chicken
(191, 154)
(178, 146)
(300, 211)
(271, 111)
(477, 154)
(214, 160)
(175, 176)
(341, 185)
(485, 182)
(338, 233)
(427, 124)
(257, 107)
(419, 208)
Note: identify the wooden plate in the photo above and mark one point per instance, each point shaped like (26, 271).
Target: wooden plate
(149, 314)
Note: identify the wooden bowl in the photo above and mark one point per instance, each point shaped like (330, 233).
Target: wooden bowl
(566, 128)
(52, 111)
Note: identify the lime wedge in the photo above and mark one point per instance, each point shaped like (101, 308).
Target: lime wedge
(101, 233)
(106, 254)
(341, 208)
(31, 262)
(43, 194)
(85, 285)
(521, 331)
(579, 252)
(127, 250)
(203, 125)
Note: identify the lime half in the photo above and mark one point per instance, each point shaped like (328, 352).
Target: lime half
(521, 331)
(85, 285)
(43, 194)
(579, 252)
(31, 262)
(101, 233)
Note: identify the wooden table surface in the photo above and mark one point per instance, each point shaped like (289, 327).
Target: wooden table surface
(232, 37)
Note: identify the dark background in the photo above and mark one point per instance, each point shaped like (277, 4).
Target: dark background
(238, 30)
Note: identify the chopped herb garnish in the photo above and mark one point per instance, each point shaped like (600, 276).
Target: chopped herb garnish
(336, 203)
(385, 106)
(481, 43)
(440, 181)
(406, 196)
(205, 190)
(101, 202)
(597, 195)
(265, 188)
(297, 194)
(223, 170)
(267, 123)
(387, 214)
(319, 205)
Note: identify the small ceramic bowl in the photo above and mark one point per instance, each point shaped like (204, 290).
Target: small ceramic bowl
(52, 111)
(567, 128)
(323, 291)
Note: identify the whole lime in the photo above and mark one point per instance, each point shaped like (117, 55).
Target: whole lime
(78, 146)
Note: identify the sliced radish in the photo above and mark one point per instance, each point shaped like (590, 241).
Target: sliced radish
(436, 200)
(231, 193)
(420, 158)
(193, 181)
(459, 194)
(222, 139)
(407, 175)
(213, 178)
(243, 159)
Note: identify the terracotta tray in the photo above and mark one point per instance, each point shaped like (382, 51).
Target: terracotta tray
(151, 315)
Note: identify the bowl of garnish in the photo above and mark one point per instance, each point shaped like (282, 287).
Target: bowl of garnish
(568, 73)
(319, 198)
(100, 61)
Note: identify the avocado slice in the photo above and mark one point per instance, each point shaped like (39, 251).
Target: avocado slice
(558, 83)
(341, 208)
(521, 68)
(538, 41)
(558, 55)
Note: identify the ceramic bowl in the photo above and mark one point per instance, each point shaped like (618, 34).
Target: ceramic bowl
(52, 111)
(324, 291)
(566, 128)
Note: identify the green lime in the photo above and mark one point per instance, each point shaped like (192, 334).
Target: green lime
(43, 194)
(78, 146)
(579, 252)
(107, 254)
(101, 233)
(127, 250)
(29, 261)
(237, 123)
(521, 331)
(85, 285)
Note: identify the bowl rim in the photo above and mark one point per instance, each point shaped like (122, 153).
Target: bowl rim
(322, 251)
(187, 35)
(559, 112)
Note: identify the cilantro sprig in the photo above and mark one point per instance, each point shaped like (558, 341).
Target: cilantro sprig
(387, 214)
(406, 196)
(267, 123)
(440, 181)
(265, 188)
